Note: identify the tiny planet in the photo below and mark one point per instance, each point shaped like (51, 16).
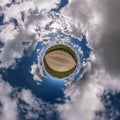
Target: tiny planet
(60, 61)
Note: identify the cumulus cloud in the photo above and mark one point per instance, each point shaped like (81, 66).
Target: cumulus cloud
(37, 72)
(35, 107)
(8, 107)
(83, 15)
(3, 3)
(85, 101)
(100, 21)
(15, 105)
(109, 42)
(13, 37)
(86, 97)
(26, 5)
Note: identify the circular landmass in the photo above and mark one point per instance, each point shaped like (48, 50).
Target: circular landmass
(60, 61)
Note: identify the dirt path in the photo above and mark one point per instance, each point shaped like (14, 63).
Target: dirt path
(60, 61)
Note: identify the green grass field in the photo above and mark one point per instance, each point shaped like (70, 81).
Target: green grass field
(56, 73)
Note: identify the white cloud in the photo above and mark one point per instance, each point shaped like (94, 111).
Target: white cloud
(100, 21)
(35, 107)
(26, 5)
(25, 31)
(37, 72)
(8, 107)
(85, 100)
(82, 14)
(31, 107)
(109, 82)
(3, 3)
